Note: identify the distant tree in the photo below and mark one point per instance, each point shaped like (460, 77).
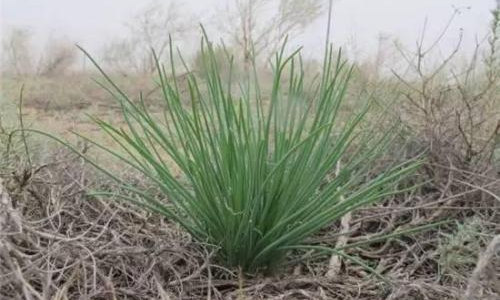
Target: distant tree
(58, 58)
(120, 56)
(149, 29)
(16, 48)
(257, 27)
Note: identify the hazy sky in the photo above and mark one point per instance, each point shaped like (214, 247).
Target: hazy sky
(92, 23)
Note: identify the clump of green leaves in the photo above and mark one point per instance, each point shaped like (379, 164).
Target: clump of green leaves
(458, 250)
(256, 170)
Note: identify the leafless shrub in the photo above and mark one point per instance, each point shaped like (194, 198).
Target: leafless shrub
(119, 56)
(17, 55)
(455, 115)
(59, 58)
(252, 30)
(19, 58)
(150, 29)
(452, 110)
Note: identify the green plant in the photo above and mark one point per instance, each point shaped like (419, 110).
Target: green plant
(458, 250)
(255, 173)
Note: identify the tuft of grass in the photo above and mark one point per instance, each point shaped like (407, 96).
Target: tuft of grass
(458, 251)
(255, 170)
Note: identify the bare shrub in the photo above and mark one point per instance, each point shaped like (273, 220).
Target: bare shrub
(451, 108)
(254, 31)
(119, 56)
(60, 56)
(17, 56)
(150, 28)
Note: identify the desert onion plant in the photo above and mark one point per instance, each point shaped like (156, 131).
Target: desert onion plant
(255, 169)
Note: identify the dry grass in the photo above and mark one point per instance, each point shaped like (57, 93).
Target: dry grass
(67, 245)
